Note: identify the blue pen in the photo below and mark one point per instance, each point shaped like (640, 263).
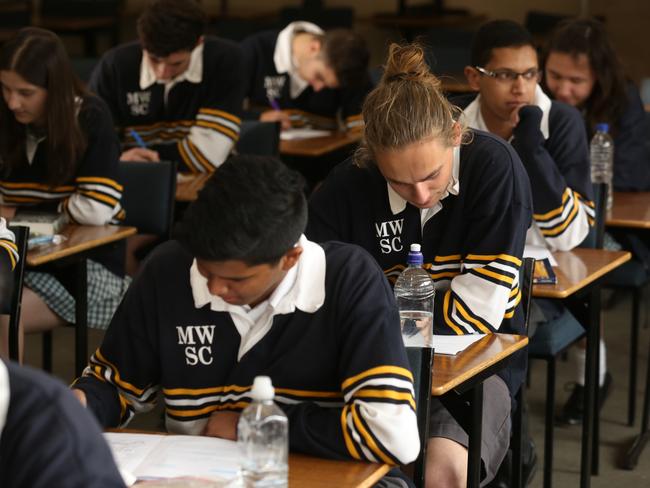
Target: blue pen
(138, 140)
(274, 103)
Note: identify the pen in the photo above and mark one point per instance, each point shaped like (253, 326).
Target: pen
(137, 138)
(274, 103)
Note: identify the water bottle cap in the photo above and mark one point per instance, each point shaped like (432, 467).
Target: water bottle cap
(415, 256)
(262, 389)
(602, 127)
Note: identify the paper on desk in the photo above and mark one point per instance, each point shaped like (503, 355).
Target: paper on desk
(302, 133)
(149, 456)
(453, 344)
(539, 253)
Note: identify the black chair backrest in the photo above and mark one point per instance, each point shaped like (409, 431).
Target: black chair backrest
(526, 286)
(260, 138)
(148, 195)
(12, 296)
(596, 234)
(80, 8)
(421, 361)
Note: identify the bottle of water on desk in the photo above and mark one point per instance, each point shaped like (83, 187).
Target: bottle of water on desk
(602, 159)
(414, 293)
(263, 437)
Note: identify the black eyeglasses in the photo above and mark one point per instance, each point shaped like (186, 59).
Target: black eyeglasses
(509, 76)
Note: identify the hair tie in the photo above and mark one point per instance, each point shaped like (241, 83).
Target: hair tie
(404, 76)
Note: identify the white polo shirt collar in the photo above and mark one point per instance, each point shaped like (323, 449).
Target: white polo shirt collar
(473, 117)
(283, 56)
(398, 204)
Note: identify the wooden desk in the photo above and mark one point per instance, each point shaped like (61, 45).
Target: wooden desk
(631, 210)
(318, 146)
(81, 241)
(188, 186)
(580, 272)
(450, 372)
(579, 268)
(312, 472)
(462, 375)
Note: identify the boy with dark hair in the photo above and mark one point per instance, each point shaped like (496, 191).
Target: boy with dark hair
(174, 94)
(551, 141)
(244, 293)
(302, 67)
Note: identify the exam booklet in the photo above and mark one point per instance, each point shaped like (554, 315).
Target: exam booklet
(155, 456)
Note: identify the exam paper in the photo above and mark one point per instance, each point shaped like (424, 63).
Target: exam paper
(453, 344)
(302, 133)
(150, 456)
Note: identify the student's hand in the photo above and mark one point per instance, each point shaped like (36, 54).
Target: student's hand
(276, 116)
(527, 133)
(140, 154)
(7, 212)
(80, 395)
(223, 425)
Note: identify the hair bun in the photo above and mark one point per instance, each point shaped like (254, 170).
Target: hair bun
(407, 63)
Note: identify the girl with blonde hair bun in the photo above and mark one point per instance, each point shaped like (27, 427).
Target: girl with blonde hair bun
(419, 176)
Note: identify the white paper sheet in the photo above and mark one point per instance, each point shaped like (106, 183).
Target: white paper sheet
(149, 456)
(302, 133)
(539, 253)
(453, 344)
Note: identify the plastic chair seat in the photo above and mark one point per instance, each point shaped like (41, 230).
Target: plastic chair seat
(554, 336)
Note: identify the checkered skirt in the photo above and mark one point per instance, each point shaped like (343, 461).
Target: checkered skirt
(105, 291)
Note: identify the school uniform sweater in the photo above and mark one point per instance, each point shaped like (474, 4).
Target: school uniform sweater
(46, 437)
(472, 244)
(8, 249)
(334, 353)
(268, 77)
(92, 195)
(193, 119)
(551, 142)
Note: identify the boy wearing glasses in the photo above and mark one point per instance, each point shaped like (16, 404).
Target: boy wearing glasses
(548, 136)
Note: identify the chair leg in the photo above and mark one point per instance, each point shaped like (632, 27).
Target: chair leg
(47, 351)
(634, 347)
(550, 413)
(517, 440)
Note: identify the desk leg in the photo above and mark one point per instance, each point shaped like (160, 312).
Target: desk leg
(475, 397)
(595, 315)
(590, 379)
(632, 455)
(81, 317)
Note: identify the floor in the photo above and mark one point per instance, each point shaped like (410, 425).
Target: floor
(615, 434)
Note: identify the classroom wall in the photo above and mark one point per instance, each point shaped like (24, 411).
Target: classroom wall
(626, 19)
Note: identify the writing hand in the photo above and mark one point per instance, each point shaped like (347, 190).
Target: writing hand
(276, 116)
(223, 425)
(140, 154)
(80, 395)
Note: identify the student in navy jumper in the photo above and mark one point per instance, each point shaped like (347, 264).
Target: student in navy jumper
(46, 437)
(583, 70)
(244, 293)
(177, 89)
(302, 67)
(59, 153)
(420, 177)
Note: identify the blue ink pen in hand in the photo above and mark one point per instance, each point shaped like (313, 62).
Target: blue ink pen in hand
(138, 140)
(274, 104)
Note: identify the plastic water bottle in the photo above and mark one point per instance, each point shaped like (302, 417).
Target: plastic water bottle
(414, 292)
(602, 159)
(263, 438)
